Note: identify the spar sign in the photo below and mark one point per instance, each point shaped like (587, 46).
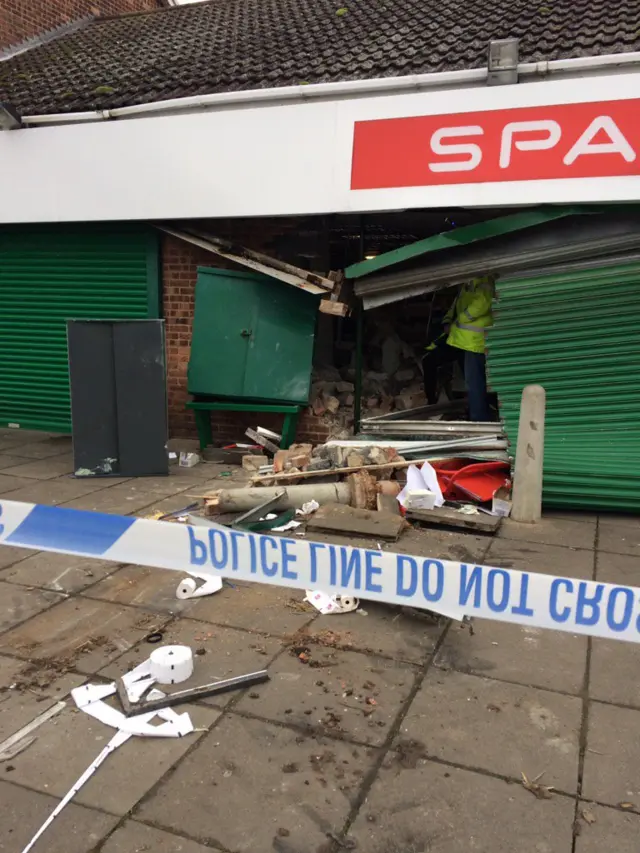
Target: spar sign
(587, 140)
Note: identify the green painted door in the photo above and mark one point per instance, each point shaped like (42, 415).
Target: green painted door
(51, 274)
(252, 338)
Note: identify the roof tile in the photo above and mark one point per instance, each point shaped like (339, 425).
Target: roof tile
(227, 45)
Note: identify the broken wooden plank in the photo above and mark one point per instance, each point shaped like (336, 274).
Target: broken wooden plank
(446, 517)
(348, 520)
(335, 309)
(289, 274)
(307, 475)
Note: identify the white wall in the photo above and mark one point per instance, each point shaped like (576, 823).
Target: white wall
(297, 159)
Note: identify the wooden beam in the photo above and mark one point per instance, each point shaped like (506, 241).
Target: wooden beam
(307, 475)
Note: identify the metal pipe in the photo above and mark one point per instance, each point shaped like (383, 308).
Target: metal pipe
(345, 89)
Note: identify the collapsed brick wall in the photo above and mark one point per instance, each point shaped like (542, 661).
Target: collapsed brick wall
(24, 19)
(180, 262)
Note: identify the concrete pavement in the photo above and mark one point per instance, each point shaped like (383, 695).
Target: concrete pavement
(399, 735)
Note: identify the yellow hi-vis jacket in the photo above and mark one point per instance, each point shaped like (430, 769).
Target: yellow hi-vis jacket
(470, 315)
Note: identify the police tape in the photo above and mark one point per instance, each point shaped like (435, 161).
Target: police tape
(450, 588)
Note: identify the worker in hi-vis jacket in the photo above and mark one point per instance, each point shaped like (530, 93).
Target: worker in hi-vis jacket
(465, 326)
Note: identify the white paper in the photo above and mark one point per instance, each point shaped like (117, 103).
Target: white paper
(419, 479)
(89, 693)
(291, 525)
(309, 507)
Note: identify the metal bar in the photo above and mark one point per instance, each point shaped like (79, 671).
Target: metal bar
(258, 512)
(132, 709)
(434, 409)
(357, 393)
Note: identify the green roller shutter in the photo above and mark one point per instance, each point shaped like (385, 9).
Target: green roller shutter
(51, 274)
(574, 330)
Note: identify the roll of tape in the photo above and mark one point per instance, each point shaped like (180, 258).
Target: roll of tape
(171, 664)
(186, 588)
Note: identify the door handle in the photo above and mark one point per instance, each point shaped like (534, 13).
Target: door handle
(246, 333)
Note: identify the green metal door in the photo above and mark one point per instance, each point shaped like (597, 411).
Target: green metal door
(252, 338)
(51, 274)
(573, 330)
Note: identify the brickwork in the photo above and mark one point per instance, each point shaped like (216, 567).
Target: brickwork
(24, 19)
(180, 261)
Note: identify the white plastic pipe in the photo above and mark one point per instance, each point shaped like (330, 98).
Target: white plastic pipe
(348, 88)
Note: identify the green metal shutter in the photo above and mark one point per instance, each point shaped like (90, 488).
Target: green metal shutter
(51, 274)
(575, 332)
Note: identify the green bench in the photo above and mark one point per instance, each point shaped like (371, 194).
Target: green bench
(202, 410)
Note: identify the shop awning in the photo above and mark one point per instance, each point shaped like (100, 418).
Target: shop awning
(500, 246)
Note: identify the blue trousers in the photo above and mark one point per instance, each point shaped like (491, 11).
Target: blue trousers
(475, 377)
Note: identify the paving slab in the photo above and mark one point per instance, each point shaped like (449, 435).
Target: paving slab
(76, 830)
(81, 633)
(614, 672)
(9, 555)
(550, 531)
(20, 604)
(129, 497)
(335, 693)
(44, 468)
(44, 448)
(9, 461)
(613, 755)
(424, 807)
(504, 728)
(219, 653)
(10, 484)
(619, 538)
(621, 569)
(440, 544)
(526, 655)
(50, 766)
(568, 515)
(55, 492)
(134, 837)
(250, 785)
(26, 691)
(611, 829)
(58, 572)
(536, 557)
(255, 607)
(395, 632)
(141, 586)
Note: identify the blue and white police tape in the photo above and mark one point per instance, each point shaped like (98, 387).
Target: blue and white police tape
(451, 588)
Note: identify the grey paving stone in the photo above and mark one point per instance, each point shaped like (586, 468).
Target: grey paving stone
(392, 631)
(9, 555)
(132, 837)
(535, 656)
(336, 692)
(568, 515)
(27, 690)
(418, 806)
(614, 672)
(256, 607)
(621, 569)
(80, 632)
(613, 755)
(9, 461)
(504, 728)
(247, 781)
(127, 498)
(55, 492)
(141, 586)
(536, 557)
(76, 830)
(58, 572)
(612, 829)
(42, 468)
(10, 484)
(19, 604)
(619, 538)
(51, 766)
(550, 531)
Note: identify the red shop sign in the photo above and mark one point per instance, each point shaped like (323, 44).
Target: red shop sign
(526, 144)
